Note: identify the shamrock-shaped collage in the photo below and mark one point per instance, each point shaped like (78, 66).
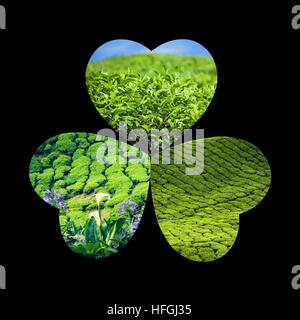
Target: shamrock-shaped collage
(100, 184)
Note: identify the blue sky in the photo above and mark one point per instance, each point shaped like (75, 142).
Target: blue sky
(127, 47)
(182, 47)
(118, 48)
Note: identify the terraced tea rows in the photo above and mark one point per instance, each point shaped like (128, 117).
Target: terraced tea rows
(68, 163)
(199, 215)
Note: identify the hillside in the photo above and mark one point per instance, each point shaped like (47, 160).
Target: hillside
(67, 163)
(199, 215)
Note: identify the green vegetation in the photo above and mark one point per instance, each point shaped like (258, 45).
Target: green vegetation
(35, 165)
(152, 90)
(199, 215)
(100, 237)
(67, 163)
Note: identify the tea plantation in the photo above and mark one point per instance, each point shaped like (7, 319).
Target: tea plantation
(152, 90)
(199, 215)
(68, 163)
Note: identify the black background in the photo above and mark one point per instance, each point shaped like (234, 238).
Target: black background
(44, 53)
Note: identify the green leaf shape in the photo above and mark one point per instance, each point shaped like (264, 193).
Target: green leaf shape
(77, 174)
(88, 249)
(92, 233)
(199, 214)
(152, 90)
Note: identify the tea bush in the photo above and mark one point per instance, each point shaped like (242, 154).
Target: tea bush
(139, 193)
(92, 150)
(91, 137)
(76, 188)
(82, 143)
(33, 178)
(46, 177)
(53, 155)
(117, 182)
(83, 161)
(97, 168)
(94, 182)
(137, 173)
(59, 184)
(46, 162)
(77, 173)
(115, 168)
(35, 165)
(78, 153)
(65, 144)
(60, 172)
(62, 160)
(152, 90)
(48, 147)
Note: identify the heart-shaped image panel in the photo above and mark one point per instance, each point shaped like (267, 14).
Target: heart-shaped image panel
(199, 214)
(99, 186)
(170, 87)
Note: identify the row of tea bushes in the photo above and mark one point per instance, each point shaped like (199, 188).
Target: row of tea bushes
(68, 163)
